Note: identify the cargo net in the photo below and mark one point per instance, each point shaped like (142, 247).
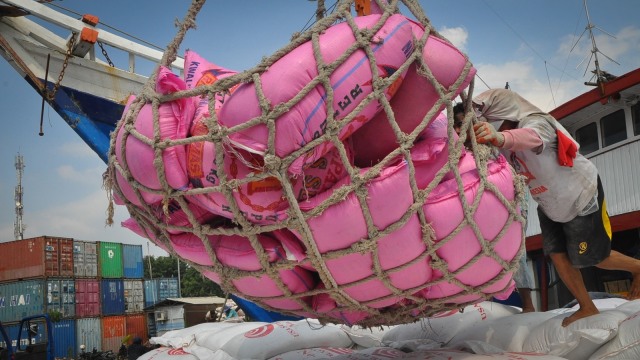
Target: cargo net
(354, 203)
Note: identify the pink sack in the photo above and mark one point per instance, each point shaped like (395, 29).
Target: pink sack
(414, 98)
(200, 72)
(491, 216)
(177, 220)
(389, 198)
(174, 120)
(236, 252)
(306, 120)
(262, 201)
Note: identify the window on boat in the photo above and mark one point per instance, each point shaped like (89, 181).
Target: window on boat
(614, 128)
(635, 116)
(587, 137)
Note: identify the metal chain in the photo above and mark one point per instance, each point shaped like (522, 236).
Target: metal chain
(104, 53)
(52, 94)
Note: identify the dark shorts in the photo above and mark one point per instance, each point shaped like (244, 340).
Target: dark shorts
(585, 239)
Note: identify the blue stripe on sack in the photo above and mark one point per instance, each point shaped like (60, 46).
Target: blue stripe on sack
(349, 73)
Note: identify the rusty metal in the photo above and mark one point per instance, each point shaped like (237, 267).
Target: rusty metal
(51, 95)
(43, 93)
(104, 53)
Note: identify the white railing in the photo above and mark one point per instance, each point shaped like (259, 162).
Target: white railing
(132, 48)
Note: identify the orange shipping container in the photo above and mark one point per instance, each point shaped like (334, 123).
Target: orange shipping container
(43, 256)
(113, 332)
(136, 325)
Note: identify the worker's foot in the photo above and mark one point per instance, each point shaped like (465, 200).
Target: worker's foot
(634, 291)
(580, 314)
(527, 309)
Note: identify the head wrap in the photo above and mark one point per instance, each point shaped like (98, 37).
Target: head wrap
(503, 104)
(497, 105)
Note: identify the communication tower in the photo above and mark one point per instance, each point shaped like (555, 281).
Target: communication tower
(18, 225)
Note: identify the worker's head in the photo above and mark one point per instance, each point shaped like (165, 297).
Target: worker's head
(458, 117)
(137, 340)
(502, 104)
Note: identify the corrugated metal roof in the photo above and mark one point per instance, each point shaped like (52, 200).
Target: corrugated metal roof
(199, 300)
(203, 300)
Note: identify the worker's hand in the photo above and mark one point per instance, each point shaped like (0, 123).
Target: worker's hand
(487, 134)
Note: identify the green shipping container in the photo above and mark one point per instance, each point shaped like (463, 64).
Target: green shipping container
(110, 260)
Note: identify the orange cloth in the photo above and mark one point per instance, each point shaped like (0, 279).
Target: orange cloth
(567, 149)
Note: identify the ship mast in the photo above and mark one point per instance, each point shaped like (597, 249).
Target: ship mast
(601, 76)
(18, 225)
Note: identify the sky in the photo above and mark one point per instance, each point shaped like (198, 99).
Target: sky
(525, 43)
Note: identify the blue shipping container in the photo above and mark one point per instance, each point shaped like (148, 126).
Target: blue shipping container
(112, 291)
(89, 333)
(156, 290)
(64, 338)
(132, 261)
(21, 299)
(34, 297)
(63, 333)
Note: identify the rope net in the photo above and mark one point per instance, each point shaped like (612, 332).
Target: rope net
(367, 245)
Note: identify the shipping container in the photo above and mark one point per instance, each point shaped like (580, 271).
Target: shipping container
(21, 298)
(63, 335)
(132, 263)
(113, 332)
(85, 259)
(89, 333)
(64, 338)
(38, 257)
(136, 325)
(133, 296)
(87, 297)
(61, 297)
(110, 260)
(156, 290)
(112, 294)
(66, 257)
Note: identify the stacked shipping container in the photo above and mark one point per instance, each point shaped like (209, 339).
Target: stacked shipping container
(39, 257)
(94, 291)
(156, 290)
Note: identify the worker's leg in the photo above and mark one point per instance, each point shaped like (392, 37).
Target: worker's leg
(619, 261)
(525, 298)
(572, 278)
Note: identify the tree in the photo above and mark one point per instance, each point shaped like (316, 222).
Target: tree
(195, 284)
(162, 267)
(192, 283)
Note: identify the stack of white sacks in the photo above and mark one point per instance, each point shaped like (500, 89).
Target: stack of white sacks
(483, 331)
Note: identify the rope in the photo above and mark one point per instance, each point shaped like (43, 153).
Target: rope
(297, 219)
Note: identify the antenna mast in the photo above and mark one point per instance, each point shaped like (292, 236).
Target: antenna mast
(19, 226)
(600, 76)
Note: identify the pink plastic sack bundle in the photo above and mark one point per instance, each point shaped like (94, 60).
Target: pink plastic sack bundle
(177, 220)
(262, 201)
(198, 72)
(414, 98)
(306, 120)
(406, 266)
(446, 212)
(236, 252)
(174, 120)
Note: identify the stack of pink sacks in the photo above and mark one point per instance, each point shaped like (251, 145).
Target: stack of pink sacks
(314, 173)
